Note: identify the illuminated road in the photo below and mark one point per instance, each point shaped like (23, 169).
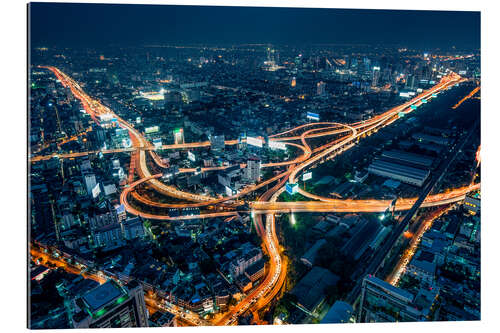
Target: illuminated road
(360, 206)
(400, 267)
(472, 93)
(76, 268)
(267, 203)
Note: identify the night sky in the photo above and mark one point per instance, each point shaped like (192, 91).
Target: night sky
(59, 24)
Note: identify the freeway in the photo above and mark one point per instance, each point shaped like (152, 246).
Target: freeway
(336, 148)
(260, 296)
(267, 204)
(472, 93)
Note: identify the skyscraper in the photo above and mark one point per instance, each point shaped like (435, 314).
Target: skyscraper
(252, 170)
(375, 76)
(110, 305)
(90, 182)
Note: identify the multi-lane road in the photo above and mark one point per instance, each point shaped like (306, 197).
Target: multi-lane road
(344, 137)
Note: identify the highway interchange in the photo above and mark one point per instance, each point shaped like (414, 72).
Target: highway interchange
(345, 137)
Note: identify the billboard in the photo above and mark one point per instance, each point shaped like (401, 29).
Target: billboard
(96, 190)
(312, 116)
(307, 176)
(157, 142)
(152, 129)
(191, 157)
(138, 120)
(291, 188)
(254, 142)
(106, 117)
(413, 107)
(277, 145)
(462, 72)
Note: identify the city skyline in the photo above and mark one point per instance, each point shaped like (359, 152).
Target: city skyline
(91, 25)
(173, 183)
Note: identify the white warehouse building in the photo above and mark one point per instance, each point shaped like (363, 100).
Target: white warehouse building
(403, 173)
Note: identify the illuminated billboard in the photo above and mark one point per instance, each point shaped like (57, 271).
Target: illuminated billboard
(413, 107)
(157, 142)
(191, 156)
(312, 116)
(307, 176)
(277, 145)
(106, 117)
(254, 142)
(291, 188)
(152, 129)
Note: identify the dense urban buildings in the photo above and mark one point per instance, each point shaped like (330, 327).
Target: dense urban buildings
(191, 184)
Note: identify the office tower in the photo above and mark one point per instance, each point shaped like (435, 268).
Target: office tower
(321, 88)
(252, 170)
(110, 305)
(178, 136)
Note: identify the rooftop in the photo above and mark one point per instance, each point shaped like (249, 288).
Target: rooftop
(102, 295)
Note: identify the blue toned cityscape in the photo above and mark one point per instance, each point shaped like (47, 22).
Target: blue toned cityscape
(189, 167)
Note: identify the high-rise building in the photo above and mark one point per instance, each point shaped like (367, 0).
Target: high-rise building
(217, 142)
(375, 76)
(178, 136)
(90, 182)
(321, 88)
(382, 302)
(252, 170)
(110, 305)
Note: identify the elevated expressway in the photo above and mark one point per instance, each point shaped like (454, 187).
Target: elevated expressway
(267, 203)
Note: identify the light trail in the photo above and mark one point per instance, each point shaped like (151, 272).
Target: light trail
(408, 254)
(472, 93)
(266, 291)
